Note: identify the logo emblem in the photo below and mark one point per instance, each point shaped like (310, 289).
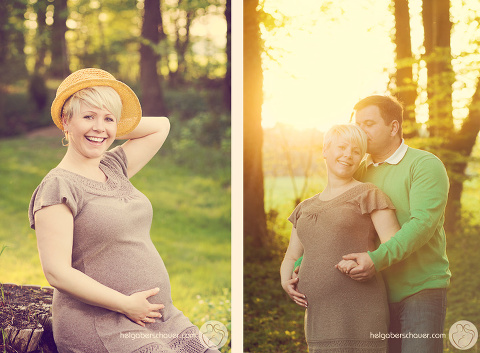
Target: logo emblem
(214, 334)
(463, 335)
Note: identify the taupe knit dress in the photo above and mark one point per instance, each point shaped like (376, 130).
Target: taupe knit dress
(342, 314)
(111, 244)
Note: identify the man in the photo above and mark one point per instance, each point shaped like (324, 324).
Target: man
(413, 262)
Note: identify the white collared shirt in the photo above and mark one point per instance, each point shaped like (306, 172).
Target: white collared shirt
(395, 158)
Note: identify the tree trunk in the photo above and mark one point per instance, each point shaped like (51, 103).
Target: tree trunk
(227, 92)
(152, 94)
(182, 43)
(437, 26)
(254, 220)
(17, 38)
(41, 45)
(455, 148)
(406, 90)
(59, 67)
(3, 60)
(461, 146)
(4, 14)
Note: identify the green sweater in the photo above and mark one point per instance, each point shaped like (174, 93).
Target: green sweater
(415, 257)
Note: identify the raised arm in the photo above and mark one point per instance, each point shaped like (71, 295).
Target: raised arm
(289, 284)
(54, 229)
(144, 142)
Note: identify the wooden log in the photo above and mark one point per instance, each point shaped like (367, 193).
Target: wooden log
(21, 340)
(35, 339)
(31, 286)
(35, 301)
(9, 331)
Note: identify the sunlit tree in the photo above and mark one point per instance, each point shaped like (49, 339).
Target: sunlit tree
(228, 75)
(254, 221)
(406, 88)
(453, 147)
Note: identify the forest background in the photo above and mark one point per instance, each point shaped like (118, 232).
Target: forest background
(304, 60)
(175, 55)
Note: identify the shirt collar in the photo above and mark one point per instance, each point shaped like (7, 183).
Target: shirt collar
(395, 158)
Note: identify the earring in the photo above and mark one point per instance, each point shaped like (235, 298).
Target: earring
(65, 139)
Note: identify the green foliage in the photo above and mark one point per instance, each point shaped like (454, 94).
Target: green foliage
(191, 226)
(272, 322)
(1, 285)
(463, 296)
(218, 310)
(280, 201)
(204, 129)
(20, 112)
(186, 103)
(107, 34)
(199, 119)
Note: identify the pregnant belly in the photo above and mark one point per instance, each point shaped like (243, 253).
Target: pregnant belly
(129, 270)
(326, 283)
(320, 281)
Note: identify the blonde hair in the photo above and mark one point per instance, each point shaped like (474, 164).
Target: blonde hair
(352, 133)
(100, 97)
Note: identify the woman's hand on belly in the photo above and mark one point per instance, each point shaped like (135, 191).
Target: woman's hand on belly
(138, 309)
(290, 287)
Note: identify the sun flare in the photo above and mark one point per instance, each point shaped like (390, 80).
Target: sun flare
(323, 60)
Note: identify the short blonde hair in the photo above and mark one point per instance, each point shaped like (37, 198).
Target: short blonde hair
(100, 97)
(350, 132)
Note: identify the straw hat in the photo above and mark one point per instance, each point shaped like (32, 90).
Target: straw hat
(131, 109)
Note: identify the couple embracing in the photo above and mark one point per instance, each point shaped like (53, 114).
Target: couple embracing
(374, 260)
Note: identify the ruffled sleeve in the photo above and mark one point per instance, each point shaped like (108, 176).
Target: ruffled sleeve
(373, 199)
(295, 215)
(116, 159)
(54, 190)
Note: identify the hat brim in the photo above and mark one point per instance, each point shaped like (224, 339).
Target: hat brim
(131, 108)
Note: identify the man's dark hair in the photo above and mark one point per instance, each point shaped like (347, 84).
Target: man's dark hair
(390, 108)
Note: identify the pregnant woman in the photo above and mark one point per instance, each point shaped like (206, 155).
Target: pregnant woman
(347, 216)
(112, 291)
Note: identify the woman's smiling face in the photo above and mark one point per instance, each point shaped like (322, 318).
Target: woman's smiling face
(91, 131)
(342, 157)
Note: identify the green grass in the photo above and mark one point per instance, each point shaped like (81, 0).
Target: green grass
(273, 323)
(191, 226)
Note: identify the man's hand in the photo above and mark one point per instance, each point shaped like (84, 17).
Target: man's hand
(365, 269)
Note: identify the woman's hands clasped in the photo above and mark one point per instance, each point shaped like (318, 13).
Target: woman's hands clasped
(140, 310)
(345, 266)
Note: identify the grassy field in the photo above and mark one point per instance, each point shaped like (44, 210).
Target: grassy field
(274, 324)
(191, 226)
